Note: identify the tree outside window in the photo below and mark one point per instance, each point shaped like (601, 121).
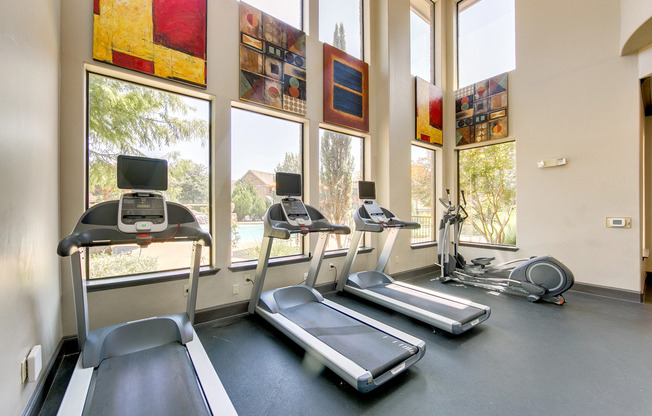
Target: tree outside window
(487, 175)
(340, 169)
(130, 119)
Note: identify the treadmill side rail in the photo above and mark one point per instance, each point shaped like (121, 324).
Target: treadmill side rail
(214, 392)
(75, 398)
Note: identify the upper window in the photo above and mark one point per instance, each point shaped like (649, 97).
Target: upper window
(260, 146)
(423, 194)
(485, 39)
(340, 25)
(487, 175)
(131, 119)
(421, 39)
(289, 11)
(340, 168)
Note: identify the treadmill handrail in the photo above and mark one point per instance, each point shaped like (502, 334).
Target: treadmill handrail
(277, 226)
(98, 226)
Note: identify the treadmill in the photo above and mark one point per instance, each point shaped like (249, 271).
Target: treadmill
(149, 366)
(362, 351)
(450, 313)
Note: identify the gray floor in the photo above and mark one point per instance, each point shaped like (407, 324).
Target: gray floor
(591, 356)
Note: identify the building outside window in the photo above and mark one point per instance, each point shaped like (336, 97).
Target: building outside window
(423, 194)
(487, 175)
(485, 39)
(341, 166)
(261, 145)
(130, 119)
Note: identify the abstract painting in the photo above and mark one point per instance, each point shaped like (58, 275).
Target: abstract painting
(346, 89)
(272, 61)
(481, 111)
(429, 106)
(165, 38)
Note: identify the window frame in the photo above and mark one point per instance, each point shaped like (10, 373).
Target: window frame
(496, 246)
(363, 174)
(435, 208)
(456, 30)
(136, 279)
(305, 246)
(418, 7)
(362, 31)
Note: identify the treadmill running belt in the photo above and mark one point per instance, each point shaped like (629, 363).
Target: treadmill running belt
(441, 306)
(370, 348)
(156, 381)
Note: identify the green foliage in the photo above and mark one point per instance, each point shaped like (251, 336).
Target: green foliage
(246, 200)
(422, 182)
(488, 177)
(188, 182)
(280, 248)
(104, 264)
(128, 119)
(339, 38)
(336, 178)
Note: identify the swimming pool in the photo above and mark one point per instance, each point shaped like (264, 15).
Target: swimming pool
(250, 231)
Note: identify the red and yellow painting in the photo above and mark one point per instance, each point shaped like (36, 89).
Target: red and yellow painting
(429, 106)
(165, 38)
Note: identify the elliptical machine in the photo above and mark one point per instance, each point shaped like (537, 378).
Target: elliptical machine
(537, 278)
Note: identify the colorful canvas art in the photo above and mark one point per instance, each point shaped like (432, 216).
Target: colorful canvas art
(481, 111)
(346, 89)
(166, 38)
(429, 107)
(272, 61)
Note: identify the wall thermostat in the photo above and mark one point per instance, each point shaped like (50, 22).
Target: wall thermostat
(619, 222)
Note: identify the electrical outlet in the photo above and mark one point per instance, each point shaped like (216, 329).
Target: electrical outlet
(331, 266)
(305, 276)
(396, 258)
(186, 289)
(236, 289)
(248, 280)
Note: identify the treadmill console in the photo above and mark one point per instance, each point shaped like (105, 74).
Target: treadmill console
(142, 212)
(295, 212)
(375, 211)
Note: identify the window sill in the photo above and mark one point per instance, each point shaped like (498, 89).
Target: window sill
(281, 261)
(109, 283)
(490, 246)
(426, 244)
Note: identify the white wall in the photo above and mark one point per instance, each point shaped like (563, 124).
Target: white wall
(29, 205)
(635, 25)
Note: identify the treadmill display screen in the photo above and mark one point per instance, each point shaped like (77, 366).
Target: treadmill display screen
(366, 190)
(288, 184)
(294, 207)
(142, 173)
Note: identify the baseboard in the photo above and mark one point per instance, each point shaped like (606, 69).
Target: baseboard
(67, 345)
(622, 294)
(411, 274)
(240, 308)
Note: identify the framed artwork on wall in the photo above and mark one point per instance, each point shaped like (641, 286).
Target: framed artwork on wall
(346, 89)
(272, 61)
(481, 111)
(429, 109)
(165, 38)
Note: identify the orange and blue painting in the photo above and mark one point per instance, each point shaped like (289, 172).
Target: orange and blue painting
(165, 38)
(429, 106)
(346, 89)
